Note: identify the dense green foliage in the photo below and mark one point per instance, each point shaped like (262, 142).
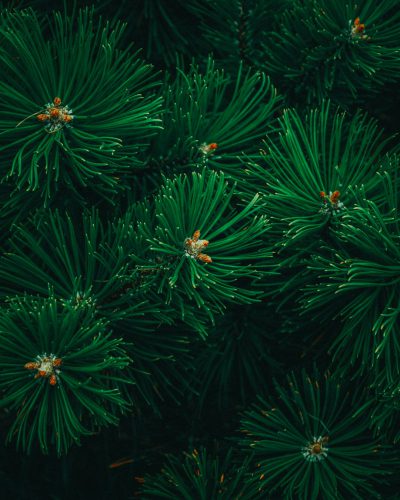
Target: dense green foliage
(77, 367)
(341, 49)
(200, 476)
(103, 118)
(315, 415)
(199, 206)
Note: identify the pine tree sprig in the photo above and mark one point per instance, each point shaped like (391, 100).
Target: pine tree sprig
(83, 109)
(212, 118)
(307, 442)
(312, 165)
(199, 475)
(341, 50)
(181, 264)
(61, 373)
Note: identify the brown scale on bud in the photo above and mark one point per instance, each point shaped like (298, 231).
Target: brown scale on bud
(316, 448)
(204, 258)
(358, 27)
(31, 366)
(194, 248)
(54, 113)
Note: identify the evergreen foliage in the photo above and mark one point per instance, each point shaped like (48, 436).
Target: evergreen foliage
(83, 109)
(83, 263)
(169, 247)
(87, 265)
(237, 355)
(61, 370)
(344, 50)
(238, 30)
(199, 476)
(309, 444)
(211, 108)
(199, 216)
(363, 275)
(321, 151)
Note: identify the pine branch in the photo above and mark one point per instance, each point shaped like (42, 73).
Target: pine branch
(363, 277)
(83, 109)
(239, 353)
(61, 373)
(199, 475)
(212, 118)
(181, 266)
(308, 442)
(236, 30)
(312, 165)
(340, 50)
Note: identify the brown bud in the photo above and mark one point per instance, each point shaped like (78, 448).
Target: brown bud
(204, 258)
(31, 365)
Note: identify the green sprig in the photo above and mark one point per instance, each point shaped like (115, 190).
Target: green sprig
(309, 444)
(86, 394)
(108, 89)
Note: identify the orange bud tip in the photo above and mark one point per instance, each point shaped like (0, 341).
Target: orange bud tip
(57, 101)
(42, 117)
(53, 380)
(322, 194)
(204, 258)
(31, 366)
(57, 362)
(335, 195)
(213, 146)
(356, 21)
(221, 479)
